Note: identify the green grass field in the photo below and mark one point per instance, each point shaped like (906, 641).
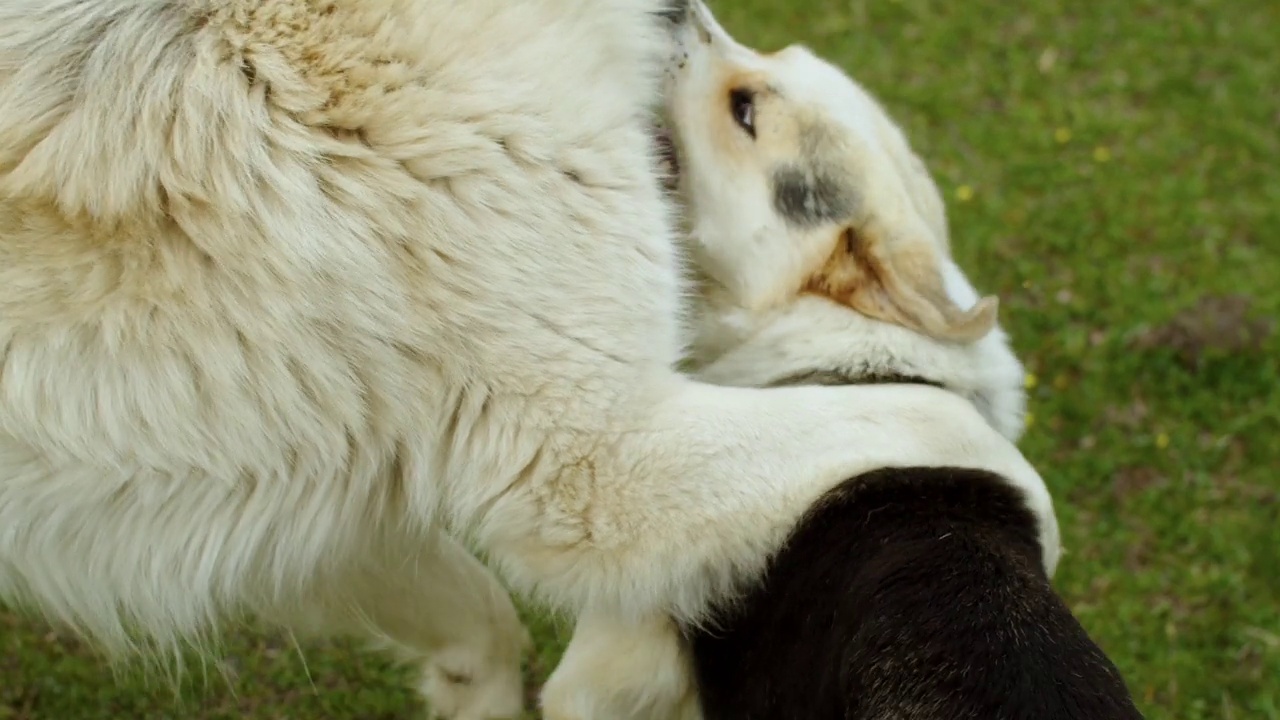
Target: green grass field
(1111, 174)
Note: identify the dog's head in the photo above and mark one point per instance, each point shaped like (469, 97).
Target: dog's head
(796, 180)
(800, 190)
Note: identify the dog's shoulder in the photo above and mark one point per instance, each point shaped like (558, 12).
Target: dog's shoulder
(909, 592)
(963, 607)
(155, 95)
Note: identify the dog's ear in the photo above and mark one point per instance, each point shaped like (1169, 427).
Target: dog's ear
(898, 279)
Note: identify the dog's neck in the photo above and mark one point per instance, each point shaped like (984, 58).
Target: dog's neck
(812, 340)
(837, 377)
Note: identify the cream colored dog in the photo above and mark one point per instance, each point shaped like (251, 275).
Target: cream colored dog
(823, 247)
(298, 296)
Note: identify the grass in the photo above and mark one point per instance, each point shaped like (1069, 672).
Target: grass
(1110, 174)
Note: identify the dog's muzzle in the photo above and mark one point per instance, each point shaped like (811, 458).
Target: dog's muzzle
(676, 12)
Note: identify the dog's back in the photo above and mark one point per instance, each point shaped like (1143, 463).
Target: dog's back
(252, 256)
(911, 594)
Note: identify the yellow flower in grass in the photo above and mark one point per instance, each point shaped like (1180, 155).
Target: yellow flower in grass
(1030, 381)
(1062, 135)
(964, 193)
(1162, 440)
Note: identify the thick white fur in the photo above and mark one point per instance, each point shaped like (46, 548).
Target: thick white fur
(298, 295)
(756, 348)
(749, 333)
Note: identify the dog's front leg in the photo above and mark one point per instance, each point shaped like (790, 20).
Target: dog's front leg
(622, 671)
(685, 496)
(444, 613)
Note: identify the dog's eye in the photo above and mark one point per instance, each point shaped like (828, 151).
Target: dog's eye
(742, 104)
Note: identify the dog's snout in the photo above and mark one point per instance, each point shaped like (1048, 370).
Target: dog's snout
(676, 12)
(691, 21)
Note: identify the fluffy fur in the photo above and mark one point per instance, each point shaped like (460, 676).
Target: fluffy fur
(298, 296)
(822, 245)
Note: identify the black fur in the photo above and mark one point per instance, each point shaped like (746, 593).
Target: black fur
(810, 197)
(837, 377)
(907, 594)
(676, 11)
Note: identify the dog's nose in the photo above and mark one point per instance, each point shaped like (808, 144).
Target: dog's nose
(676, 11)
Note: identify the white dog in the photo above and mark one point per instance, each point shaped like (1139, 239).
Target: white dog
(825, 259)
(297, 296)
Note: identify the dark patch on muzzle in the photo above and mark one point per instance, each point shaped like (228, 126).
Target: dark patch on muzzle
(675, 11)
(808, 197)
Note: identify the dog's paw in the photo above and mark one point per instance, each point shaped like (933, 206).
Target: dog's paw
(454, 691)
(621, 671)
(556, 704)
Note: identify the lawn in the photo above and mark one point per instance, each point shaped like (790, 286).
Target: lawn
(1111, 174)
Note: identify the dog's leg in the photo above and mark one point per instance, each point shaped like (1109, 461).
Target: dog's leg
(733, 472)
(442, 610)
(686, 496)
(621, 671)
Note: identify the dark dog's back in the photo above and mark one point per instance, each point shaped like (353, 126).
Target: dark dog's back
(911, 594)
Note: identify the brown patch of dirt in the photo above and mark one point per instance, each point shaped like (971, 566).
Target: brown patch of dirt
(1140, 551)
(1131, 481)
(1133, 415)
(1214, 325)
